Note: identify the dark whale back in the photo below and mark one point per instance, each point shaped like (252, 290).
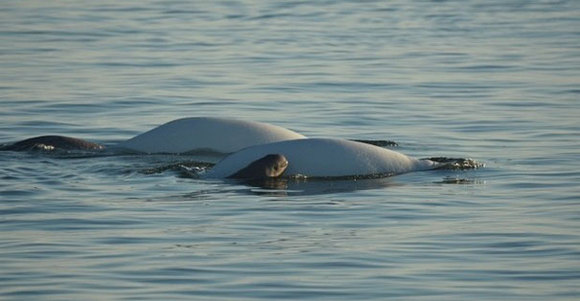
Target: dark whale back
(269, 166)
(52, 143)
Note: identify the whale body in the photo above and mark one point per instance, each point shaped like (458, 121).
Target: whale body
(256, 150)
(218, 135)
(319, 157)
(195, 134)
(52, 142)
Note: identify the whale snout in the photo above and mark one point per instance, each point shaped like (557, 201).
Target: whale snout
(269, 166)
(278, 165)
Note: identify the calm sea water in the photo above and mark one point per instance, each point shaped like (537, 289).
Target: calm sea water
(498, 81)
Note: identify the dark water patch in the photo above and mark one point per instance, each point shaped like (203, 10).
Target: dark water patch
(457, 86)
(572, 91)
(108, 8)
(184, 11)
(522, 275)
(71, 107)
(487, 68)
(24, 210)
(36, 251)
(15, 194)
(125, 240)
(458, 180)
(66, 224)
(344, 86)
(35, 293)
(53, 33)
(152, 65)
(44, 123)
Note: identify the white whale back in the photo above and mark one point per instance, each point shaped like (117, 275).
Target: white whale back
(324, 158)
(207, 134)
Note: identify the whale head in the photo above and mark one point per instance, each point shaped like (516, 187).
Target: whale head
(269, 166)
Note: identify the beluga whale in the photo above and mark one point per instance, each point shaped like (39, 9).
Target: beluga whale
(212, 134)
(52, 142)
(323, 158)
(254, 150)
(194, 134)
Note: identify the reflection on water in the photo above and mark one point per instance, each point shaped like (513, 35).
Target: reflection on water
(292, 187)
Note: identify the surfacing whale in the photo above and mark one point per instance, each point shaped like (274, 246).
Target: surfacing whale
(319, 157)
(52, 142)
(195, 134)
(212, 134)
(257, 150)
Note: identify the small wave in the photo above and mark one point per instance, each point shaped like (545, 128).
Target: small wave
(457, 180)
(189, 169)
(456, 163)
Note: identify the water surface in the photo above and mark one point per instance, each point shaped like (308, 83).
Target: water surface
(497, 81)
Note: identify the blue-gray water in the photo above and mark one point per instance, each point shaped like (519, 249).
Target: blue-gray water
(498, 81)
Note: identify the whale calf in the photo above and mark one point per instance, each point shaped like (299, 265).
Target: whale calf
(322, 157)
